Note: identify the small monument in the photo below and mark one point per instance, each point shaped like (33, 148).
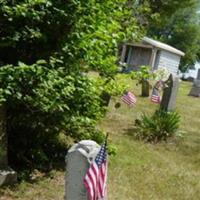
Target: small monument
(195, 91)
(105, 96)
(78, 160)
(7, 175)
(168, 102)
(145, 88)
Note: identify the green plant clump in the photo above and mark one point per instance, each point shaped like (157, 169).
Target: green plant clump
(158, 127)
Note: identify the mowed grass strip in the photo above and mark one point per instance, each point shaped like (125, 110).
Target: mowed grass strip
(165, 171)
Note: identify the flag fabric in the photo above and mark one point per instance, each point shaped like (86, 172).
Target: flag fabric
(96, 176)
(155, 97)
(159, 85)
(129, 98)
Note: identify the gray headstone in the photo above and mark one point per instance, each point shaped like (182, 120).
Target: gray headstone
(168, 102)
(198, 74)
(105, 96)
(145, 88)
(196, 83)
(7, 175)
(78, 160)
(195, 91)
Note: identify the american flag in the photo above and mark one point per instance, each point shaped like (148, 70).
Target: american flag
(155, 96)
(129, 98)
(96, 176)
(159, 85)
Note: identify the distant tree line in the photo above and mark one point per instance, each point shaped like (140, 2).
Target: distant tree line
(176, 22)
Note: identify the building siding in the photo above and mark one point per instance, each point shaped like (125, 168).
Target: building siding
(170, 61)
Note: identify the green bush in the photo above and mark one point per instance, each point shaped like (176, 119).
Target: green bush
(46, 49)
(160, 126)
(43, 102)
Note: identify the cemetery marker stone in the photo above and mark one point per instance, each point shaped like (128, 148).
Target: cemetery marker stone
(168, 102)
(195, 91)
(145, 88)
(198, 74)
(7, 175)
(78, 160)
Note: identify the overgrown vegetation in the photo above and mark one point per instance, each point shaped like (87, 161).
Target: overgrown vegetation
(158, 127)
(46, 49)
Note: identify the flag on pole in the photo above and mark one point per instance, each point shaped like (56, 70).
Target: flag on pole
(129, 98)
(159, 85)
(96, 176)
(155, 96)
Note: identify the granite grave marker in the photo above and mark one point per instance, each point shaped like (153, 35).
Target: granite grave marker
(78, 160)
(195, 91)
(168, 102)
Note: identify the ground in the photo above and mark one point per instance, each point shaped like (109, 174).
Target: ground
(142, 171)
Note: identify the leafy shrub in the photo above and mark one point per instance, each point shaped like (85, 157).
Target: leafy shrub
(160, 126)
(43, 102)
(48, 92)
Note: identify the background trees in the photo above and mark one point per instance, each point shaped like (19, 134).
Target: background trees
(176, 23)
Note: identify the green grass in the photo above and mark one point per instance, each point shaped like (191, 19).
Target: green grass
(165, 171)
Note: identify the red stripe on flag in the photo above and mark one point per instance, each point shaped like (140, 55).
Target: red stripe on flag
(95, 179)
(129, 98)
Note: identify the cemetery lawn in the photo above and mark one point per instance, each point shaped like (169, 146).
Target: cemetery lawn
(141, 171)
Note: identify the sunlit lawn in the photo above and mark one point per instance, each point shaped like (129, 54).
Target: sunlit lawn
(165, 171)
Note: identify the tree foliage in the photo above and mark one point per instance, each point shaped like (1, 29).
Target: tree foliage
(176, 23)
(46, 49)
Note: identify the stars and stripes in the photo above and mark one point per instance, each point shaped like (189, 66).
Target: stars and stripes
(155, 97)
(159, 85)
(129, 98)
(96, 176)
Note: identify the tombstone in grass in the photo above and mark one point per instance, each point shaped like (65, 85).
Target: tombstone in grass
(168, 102)
(7, 175)
(145, 88)
(105, 96)
(78, 160)
(195, 91)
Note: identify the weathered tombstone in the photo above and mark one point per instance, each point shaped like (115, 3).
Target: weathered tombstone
(78, 160)
(105, 96)
(195, 91)
(145, 88)
(7, 175)
(168, 102)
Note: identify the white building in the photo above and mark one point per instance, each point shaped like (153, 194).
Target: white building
(153, 53)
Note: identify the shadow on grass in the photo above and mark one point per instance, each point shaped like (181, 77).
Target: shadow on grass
(34, 176)
(130, 131)
(168, 142)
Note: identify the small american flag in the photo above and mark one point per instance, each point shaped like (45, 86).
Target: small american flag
(96, 176)
(129, 98)
(155, 96)
(159, 85)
